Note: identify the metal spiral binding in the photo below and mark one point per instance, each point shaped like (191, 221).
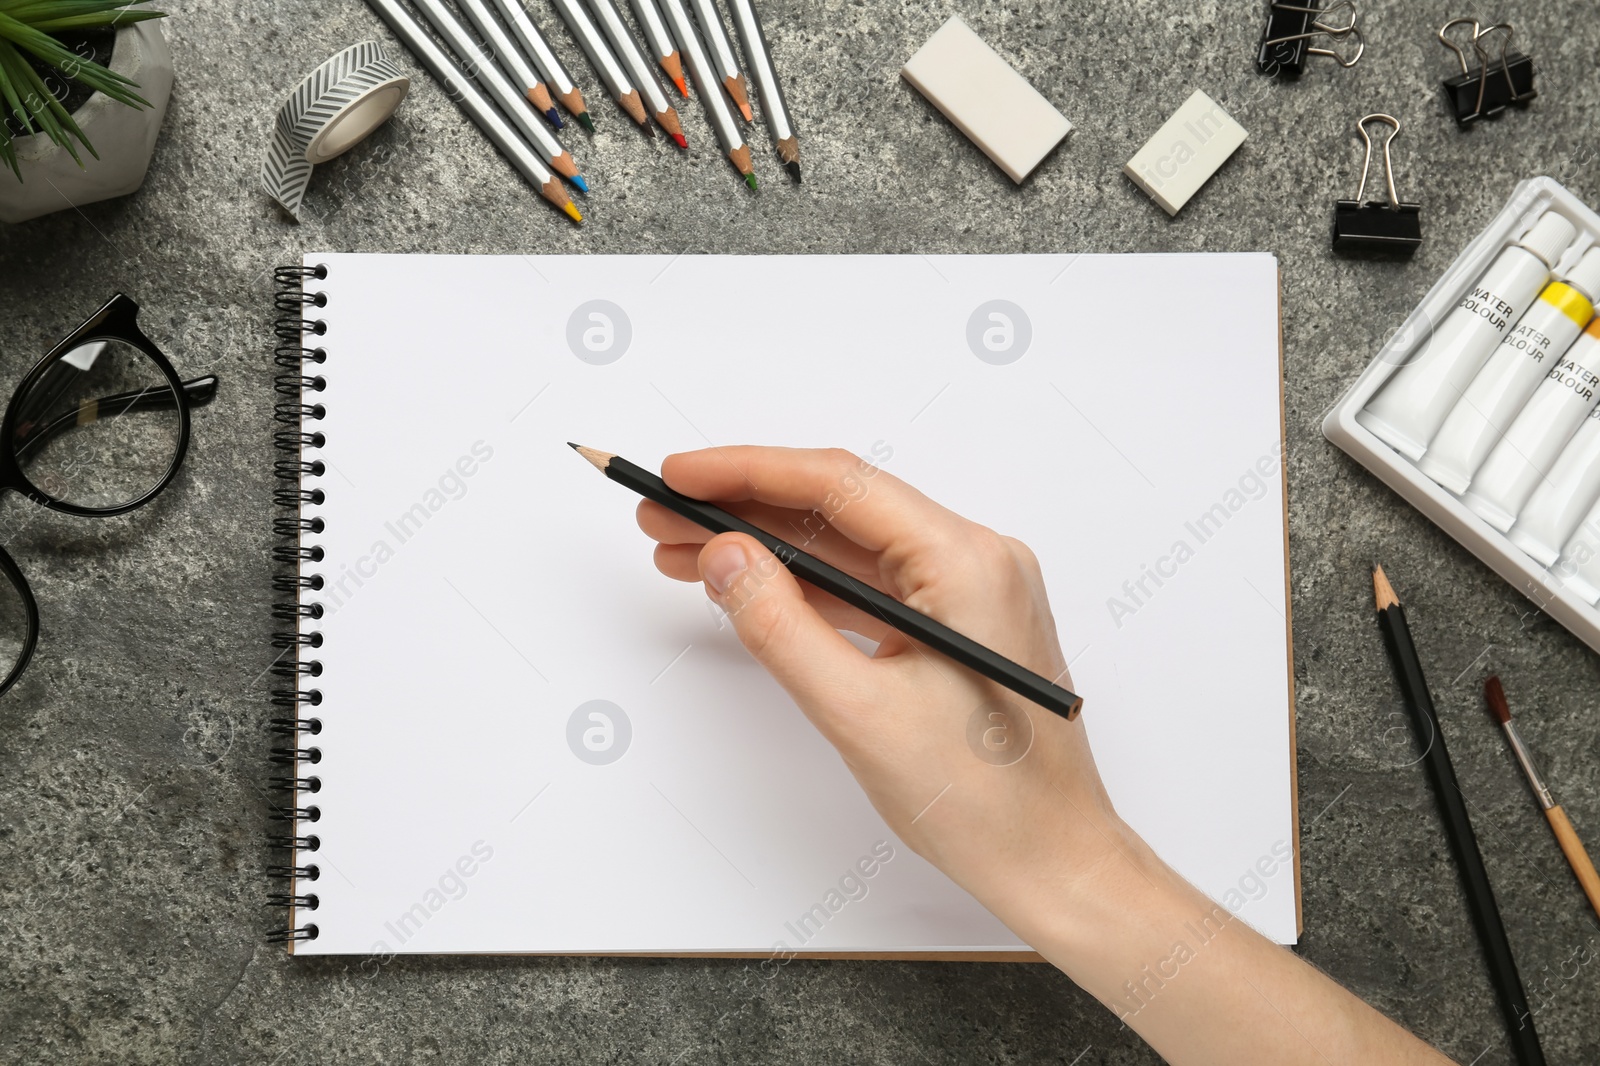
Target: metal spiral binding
(295, 751)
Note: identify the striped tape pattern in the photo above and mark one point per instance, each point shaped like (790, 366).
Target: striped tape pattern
(324, 93)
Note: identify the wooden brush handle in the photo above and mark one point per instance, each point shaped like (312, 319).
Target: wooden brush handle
(1576, 856)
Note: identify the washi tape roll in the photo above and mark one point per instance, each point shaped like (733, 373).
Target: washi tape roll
(331, 111)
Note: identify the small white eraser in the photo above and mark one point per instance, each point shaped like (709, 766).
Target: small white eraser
(1185, 152)
(986, 99)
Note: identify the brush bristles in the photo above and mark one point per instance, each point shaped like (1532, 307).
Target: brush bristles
(1497, 700)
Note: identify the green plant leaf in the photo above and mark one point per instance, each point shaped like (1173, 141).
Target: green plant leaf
(27, 26)
(101, 79)
(56, 119)
(9, 91)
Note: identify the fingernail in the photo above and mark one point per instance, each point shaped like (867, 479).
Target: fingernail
(724, 565)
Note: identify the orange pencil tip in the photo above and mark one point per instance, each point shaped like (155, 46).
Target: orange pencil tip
(749, 116)
(683, 86)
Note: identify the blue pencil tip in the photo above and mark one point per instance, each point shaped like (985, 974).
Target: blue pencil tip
(583, 186)
(555, 118)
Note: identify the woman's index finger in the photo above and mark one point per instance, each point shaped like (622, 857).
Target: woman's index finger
(867, 504)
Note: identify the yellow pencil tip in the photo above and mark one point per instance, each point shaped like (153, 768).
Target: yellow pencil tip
(572, 211)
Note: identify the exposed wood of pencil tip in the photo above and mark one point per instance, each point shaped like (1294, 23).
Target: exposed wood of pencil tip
(741, 159)
(539, 97)
(1383, 591)
(740, 94)
(674, 68)
(670, 122)
(600, 459)
(634, 106)
(572, 100)
(789, 149)
(564, 165)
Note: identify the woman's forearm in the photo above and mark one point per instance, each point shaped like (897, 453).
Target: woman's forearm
(1189, 976)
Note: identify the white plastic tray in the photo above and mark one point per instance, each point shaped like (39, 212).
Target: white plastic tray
(1528, 201)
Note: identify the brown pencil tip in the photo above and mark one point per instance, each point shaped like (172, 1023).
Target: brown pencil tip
(1382, 590)
(598, 458)
(1496, 694)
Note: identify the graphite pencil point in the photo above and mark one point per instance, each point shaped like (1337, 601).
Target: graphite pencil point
(793, 169)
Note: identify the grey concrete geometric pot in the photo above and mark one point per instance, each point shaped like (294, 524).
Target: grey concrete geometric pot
(124, 136)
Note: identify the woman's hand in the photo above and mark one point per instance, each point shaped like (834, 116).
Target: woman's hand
(1000, 794)
(970, 775)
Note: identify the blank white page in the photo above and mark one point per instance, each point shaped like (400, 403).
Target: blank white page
(482, 584)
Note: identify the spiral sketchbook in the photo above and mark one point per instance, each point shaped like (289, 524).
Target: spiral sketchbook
(503, 731)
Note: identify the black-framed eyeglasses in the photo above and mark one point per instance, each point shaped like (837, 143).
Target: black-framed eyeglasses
(98, 427)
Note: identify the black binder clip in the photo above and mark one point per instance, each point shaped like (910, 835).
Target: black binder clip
(1495, 85)
(1290, 29)
(1379, 227)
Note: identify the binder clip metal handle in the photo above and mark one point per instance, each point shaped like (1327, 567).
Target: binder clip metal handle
(1378, 227)
(1285, 41)
(1486, 93)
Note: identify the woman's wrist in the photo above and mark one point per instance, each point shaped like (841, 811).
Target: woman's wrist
(1096, 901)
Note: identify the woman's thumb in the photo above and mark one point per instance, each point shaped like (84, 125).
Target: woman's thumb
(768, 609)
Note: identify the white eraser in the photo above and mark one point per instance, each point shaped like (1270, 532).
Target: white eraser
(1185, 152)
(986, 98)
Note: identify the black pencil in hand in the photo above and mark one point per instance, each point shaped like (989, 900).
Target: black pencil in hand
(830, 579)
(1458, 828)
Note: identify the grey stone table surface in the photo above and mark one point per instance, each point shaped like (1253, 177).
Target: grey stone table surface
(132, 822)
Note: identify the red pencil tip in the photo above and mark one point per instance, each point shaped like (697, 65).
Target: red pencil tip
(1497, 699)
(683, 142)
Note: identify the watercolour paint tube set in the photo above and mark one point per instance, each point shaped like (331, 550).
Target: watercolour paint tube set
(1483, 409)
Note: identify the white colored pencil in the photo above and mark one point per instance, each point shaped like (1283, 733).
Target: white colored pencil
(700, 70)
(722, 52)
(773, 106)
(538, 50)
(514, 104)
(655, 31)
(644, 75)
(604, 63)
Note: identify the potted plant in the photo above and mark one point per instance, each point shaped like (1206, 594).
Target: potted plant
(84, 86)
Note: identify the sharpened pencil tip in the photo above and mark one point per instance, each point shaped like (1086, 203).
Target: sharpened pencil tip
(683, 142)
(750, 180)
(683, 86)
(1382, 591)
(597, 458)
(588, 123)
(554, 118)
(794, 170)
(649, 130)
(573, 446)
(582, 186)
(572, 211)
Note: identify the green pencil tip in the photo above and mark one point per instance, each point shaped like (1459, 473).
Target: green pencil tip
(588, 123)
(750, 180)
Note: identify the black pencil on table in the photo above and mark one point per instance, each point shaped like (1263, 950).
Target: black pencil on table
(830, 579)
(1458, 827)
